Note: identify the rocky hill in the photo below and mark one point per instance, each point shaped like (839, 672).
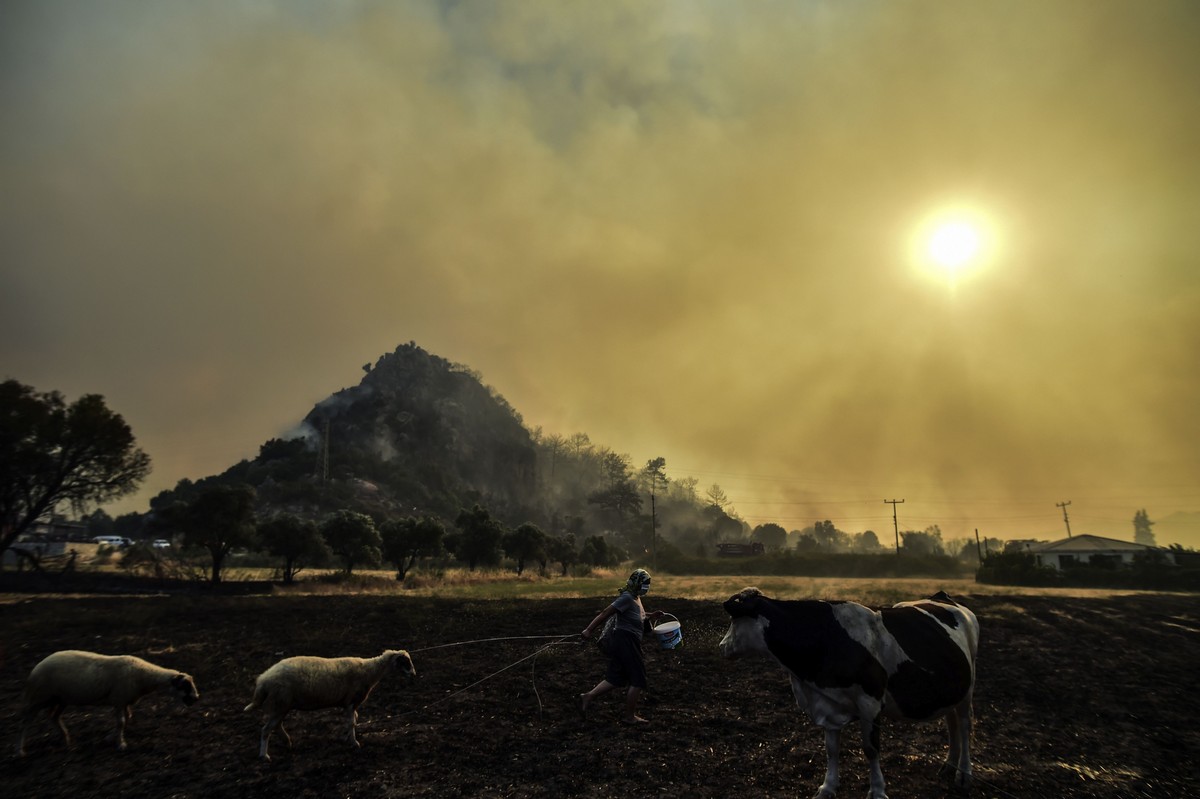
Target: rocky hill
(417, 433)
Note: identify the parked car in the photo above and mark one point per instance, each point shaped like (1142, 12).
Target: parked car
(161, 543)
(113, 541)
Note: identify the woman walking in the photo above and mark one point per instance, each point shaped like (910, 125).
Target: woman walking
(626, 666)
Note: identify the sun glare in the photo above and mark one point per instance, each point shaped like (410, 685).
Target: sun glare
(954, 244)
(950, 245)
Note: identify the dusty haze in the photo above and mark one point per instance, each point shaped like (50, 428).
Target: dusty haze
(682, 228)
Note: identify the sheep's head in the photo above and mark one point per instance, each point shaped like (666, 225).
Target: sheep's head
(184, 688)
(399, 661)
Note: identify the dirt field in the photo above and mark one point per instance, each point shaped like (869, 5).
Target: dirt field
(1075, 698)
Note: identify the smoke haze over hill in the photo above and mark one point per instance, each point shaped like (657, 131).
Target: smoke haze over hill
(684, 229)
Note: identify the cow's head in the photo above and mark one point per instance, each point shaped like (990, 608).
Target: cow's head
(746, 634)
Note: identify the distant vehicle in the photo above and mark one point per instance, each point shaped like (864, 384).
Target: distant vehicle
(161, 543)
(113, 541)
(740, 550)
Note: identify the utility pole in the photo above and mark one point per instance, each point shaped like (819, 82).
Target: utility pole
(895, 522)
(978, 549)
(1064, 505)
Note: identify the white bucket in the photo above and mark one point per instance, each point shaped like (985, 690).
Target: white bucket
(670, 634)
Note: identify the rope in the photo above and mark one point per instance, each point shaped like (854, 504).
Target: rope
(489, 640)
(562, 639)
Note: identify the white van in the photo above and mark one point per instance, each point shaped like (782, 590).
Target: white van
(112, 541)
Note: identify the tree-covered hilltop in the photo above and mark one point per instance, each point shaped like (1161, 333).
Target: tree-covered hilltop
(418, 432)
(422, 436)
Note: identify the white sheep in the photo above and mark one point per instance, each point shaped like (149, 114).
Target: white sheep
(72, 677)
(314, 683)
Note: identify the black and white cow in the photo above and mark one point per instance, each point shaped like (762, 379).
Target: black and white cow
(914, 661)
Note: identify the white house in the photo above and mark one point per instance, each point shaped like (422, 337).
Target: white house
(1093, 549)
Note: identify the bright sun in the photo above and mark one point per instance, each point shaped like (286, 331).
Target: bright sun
(952, 244)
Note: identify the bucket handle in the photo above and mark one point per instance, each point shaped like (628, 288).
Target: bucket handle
(660, 620)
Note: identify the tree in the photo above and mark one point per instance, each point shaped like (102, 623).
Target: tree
(561, 549)
(98, 523)
(655, 473)
(298, 541)
(770, 535)
(53, 453)
(922, 544)
(526, 542)
(596, 552)
(619, 502)
(716, 496)
(405, 540)
(827, 535)
(129, 525)
(352, 537)
(1142, 534)
(867, 541)
(807, 542)
(720, 526)
(220, 518)
(479, 541)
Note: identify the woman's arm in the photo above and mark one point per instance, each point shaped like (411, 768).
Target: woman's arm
(598, 621)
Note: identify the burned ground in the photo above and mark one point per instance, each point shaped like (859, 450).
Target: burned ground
(1075, 698)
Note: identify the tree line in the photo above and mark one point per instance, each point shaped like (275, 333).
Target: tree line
(222, 519)
(590, 504)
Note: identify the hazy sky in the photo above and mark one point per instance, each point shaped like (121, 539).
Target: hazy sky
(686, 229)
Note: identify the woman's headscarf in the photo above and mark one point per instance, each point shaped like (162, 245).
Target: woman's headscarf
(638, 583)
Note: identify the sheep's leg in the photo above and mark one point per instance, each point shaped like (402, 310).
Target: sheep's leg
(56, 712)
(120, 713)
(27, 715)
(273, 722)
(284, 732)
(352, 717)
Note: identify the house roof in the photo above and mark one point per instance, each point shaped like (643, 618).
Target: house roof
(1089, 543)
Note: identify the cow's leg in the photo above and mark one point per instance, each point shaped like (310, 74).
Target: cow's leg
(961, 724)
(950, 766)
(870, 736)
(832, 747)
